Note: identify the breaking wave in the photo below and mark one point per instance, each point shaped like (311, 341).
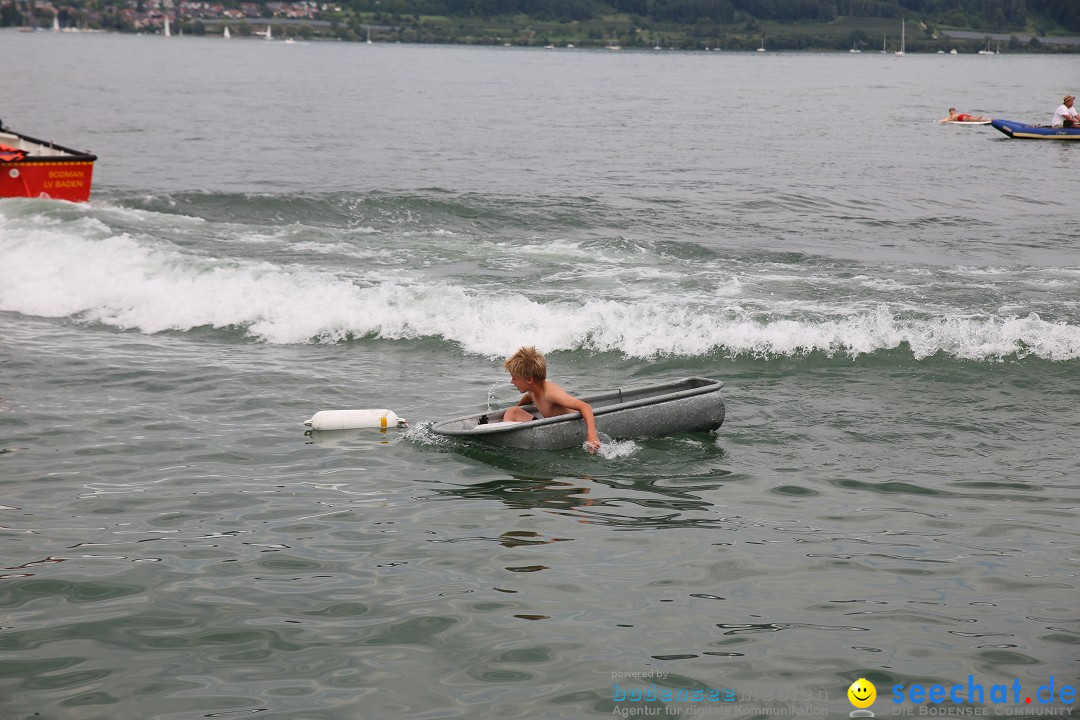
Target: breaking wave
(78, 268)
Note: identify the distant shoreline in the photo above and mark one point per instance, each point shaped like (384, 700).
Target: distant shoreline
(869, 37)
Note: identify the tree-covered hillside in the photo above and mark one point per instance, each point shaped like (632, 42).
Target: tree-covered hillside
(933, 26)
(984, 14)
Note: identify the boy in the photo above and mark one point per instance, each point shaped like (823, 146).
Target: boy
(528, 373)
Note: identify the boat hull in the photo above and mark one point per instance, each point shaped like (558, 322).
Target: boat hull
(47, 170)
(688, 405)
(1022, 131)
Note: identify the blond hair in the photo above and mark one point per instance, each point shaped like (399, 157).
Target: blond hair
(527, 363)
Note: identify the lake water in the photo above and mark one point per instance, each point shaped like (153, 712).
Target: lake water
(893, 304)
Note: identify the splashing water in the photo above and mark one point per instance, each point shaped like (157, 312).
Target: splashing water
(614, 449)
(491, 395)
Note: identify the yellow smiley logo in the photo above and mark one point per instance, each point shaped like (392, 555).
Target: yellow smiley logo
(862, 693)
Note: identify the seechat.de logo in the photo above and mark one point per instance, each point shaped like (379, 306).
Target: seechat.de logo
(976, 693)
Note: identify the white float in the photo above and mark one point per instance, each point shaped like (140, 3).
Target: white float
(352, 419)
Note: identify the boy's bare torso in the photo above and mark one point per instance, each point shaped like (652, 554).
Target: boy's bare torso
(545, 404)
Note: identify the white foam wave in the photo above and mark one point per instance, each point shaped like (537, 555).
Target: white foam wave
(135, 284)
(882, 284)
(424, 234)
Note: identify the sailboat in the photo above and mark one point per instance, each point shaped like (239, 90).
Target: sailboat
(987, 51)
(167, 31)
(900, 52)
(762, 48)
(369, 36)
(226, 34)
(269, 33)
(613, 45)
(883, 38)
(56, 22)
(854, 47)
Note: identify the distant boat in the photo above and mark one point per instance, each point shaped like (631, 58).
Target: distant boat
(762, 48)
(987, 51)
(226, 34)
(167, 31)
(56, 22)
(269, 33)
(289, 41)
(613, 45)
(854, 48)
(570, 45)
(953, 52)
(900, 52)
(369, 36)
(883, 36)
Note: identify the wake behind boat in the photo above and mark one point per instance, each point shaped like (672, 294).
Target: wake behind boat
(687, 405)
(42, 169)
(1022, 131)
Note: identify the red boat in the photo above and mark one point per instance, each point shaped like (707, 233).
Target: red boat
(41, 169)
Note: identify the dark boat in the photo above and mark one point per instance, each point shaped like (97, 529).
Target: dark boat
(687, 405)
(42, 169)
(1022, 131)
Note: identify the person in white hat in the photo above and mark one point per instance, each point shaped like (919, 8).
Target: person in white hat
(1066, 115)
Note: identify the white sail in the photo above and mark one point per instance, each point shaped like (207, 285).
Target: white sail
(226, 34)
(168, 30)
(900, 52)
(56, 22)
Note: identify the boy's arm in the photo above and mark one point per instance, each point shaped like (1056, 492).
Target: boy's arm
(568, 401)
